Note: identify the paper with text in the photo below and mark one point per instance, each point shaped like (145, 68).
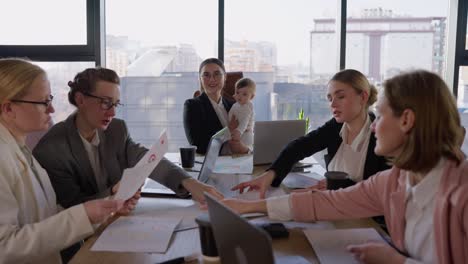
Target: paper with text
(134, 178)
(330, 245)
(137, 234)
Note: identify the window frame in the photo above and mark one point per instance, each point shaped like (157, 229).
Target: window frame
(92, 51)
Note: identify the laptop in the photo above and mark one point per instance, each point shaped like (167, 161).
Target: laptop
(152, 187)
(238, 241)
(271, 137)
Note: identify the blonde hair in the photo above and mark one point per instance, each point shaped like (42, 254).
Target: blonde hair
(16, 76)
(245, 82)
(358, 81)
(427, 95)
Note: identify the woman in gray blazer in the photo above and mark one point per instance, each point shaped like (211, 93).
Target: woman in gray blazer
(33, 228)
(85, 155)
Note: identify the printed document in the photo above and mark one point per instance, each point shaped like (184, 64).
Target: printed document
(134, 178)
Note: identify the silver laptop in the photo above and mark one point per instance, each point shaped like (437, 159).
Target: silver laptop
(271, 137)
(238, 241)
(216, 142)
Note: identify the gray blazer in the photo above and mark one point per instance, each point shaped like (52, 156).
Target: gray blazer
(62, 154)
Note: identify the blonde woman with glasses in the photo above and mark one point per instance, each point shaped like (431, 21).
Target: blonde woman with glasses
(33, 228)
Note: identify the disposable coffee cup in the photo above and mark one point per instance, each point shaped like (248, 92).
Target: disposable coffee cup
(187, 156)
(207, 240)
(337, 180)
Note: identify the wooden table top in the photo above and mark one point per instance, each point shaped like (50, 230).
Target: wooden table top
(187, 242)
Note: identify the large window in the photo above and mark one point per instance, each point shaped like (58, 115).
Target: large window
(463, 101)
(384, 38)
(45, 22)
(156, 47)
(289, 51)
(59, 74)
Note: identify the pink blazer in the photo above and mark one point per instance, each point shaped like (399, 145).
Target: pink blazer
(385, 194)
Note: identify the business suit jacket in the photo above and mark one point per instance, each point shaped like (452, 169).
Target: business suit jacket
(325, 137)
(61, 152)
(32, 230)
(201, 121)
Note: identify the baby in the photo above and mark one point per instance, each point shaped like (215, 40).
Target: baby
(243, 112)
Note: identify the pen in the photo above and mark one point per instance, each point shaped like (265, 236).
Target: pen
(180, 260)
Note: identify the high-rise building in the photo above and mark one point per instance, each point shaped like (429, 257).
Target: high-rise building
(380, 44)
(250, 56)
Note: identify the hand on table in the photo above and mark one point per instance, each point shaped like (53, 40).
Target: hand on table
(376, 252)
(261, 184)
(197, 189)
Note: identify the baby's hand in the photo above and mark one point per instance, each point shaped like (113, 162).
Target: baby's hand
(235, 135)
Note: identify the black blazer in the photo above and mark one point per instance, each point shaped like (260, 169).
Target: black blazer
(326, 136)
(201, 121)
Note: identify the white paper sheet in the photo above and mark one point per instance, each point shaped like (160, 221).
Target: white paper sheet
(296, 180)
(188, 210)
(134, 178)
(330, 245)
(234, 165)
(137, 234)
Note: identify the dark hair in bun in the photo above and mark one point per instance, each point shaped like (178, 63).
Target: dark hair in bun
(86, 80)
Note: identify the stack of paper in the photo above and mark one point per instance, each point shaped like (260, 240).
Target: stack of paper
(137, 234)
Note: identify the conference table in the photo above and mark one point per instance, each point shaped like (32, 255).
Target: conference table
(186, 242)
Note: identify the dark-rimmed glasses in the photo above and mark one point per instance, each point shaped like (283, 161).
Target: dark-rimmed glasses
(105, 103)
(45, 103)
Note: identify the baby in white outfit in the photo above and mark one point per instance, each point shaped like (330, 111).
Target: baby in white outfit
(243, 112)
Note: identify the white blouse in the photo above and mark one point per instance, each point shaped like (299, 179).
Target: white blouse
(351, 158)
(94, 159)
(420, 203)
(220, 111)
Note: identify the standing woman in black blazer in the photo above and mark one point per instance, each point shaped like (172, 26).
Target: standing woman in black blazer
(208, 113)
(347, 136)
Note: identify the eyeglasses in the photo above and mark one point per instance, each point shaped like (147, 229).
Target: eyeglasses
(216, 75)
(105, 103)
(47, 103)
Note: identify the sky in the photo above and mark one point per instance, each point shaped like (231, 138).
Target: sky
(286, 23)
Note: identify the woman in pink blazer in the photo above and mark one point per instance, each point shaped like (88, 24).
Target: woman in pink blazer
(424, 196)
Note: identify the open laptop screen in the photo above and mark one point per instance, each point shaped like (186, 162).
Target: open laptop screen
(154, 188)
